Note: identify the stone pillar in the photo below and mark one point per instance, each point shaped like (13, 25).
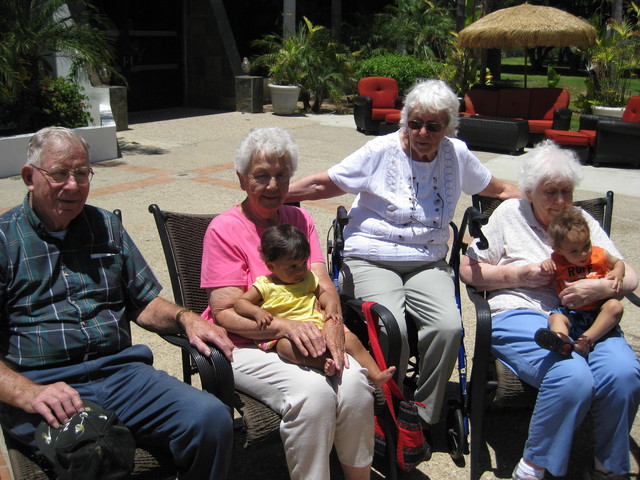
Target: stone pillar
(118, 101)
(249, 94)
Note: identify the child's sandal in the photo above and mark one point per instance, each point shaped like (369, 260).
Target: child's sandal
(583, 345)
(554, 341)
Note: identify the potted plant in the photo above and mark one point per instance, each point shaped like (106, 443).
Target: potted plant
(284, 62)
(611, 63)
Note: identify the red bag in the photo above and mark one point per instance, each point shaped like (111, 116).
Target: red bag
(411, 448)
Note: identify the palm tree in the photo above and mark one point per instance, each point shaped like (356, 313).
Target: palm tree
(31, 31)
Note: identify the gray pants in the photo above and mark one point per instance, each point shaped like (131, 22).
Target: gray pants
(426, 291)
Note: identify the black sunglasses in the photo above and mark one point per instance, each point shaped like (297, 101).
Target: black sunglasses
(433, 127)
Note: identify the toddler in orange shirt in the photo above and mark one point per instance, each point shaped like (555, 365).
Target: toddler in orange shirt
(574, 258)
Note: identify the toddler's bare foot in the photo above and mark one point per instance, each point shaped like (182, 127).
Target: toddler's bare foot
(329, 367)
(383, 377)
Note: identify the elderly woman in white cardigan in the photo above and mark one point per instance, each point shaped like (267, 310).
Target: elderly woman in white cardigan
(408, 184)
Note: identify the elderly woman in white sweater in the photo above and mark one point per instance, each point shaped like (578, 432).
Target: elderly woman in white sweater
(407, 185)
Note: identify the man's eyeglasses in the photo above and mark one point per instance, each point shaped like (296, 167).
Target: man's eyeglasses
(82, 175)
(433, 127)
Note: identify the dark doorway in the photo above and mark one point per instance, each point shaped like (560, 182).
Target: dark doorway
(149, 46)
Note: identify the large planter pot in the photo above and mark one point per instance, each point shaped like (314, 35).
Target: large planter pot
(607, 111)
(284, 98)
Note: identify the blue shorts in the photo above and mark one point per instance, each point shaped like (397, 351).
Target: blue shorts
(580, 320)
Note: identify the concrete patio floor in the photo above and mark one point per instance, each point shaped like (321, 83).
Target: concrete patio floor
(182, 159)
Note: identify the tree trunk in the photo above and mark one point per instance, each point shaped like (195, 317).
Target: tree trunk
(288, 18)
(336, 20)
(461, 14)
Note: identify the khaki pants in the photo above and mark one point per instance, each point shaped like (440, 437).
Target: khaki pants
(318, 412)
(426, 291)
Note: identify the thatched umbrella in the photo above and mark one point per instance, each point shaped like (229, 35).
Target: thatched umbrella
(527, 26)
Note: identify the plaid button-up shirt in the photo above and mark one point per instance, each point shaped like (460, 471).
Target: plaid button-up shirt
(62, 300)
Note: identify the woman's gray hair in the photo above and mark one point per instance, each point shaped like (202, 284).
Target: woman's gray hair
(432, 96)
(266, 141)
(60, 135)
(547, 161)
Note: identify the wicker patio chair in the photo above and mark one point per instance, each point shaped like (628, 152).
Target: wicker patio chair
(181, 235)
(492, 383)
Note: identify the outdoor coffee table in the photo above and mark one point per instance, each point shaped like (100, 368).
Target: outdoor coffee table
(494, 133)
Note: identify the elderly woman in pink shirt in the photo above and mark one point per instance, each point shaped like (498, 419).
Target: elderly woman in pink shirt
(318, 412)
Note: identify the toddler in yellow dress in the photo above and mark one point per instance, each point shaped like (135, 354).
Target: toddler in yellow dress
(292, 291)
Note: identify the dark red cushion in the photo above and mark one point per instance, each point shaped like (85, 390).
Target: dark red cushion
(392, 117)
(592, 136)
(380, 114)
(514, 102)
(544, 101)
(539, 126)
(632, 110)
(478, 101)
(382, 90)
(567, 137)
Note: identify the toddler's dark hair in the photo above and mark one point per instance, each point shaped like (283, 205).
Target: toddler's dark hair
(566, 223)
(283, 240)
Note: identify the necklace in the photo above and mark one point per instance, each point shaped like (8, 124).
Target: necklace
(435, 220)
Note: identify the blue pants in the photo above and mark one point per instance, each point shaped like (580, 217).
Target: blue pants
(608, 383)
(159, 409)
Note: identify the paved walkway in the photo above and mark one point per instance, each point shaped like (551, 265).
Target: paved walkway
(182, 160)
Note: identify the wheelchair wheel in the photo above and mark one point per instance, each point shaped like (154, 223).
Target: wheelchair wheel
(456, 438)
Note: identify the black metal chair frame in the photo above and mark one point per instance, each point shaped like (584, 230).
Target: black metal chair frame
(491, 381)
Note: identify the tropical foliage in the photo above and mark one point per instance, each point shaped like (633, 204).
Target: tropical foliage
(32, 31)
(412, 27)
(311, 59)
(611, 64)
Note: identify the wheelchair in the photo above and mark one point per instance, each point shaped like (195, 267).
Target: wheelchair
(458, 408)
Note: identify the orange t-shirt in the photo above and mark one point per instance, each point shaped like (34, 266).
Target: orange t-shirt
(596, 268)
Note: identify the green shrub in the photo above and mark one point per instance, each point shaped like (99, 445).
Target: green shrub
(57, 101)
(62, 103)
(406, 69)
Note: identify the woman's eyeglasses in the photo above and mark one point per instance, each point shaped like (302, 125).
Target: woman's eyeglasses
(433, 127)
(82, 175)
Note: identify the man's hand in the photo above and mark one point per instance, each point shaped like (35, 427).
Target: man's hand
(200, 332)
(57, 402)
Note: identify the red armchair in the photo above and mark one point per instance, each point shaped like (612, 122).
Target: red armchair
(377, 98)
(614, 140)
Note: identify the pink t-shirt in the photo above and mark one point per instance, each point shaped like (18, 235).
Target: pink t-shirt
(230, 256)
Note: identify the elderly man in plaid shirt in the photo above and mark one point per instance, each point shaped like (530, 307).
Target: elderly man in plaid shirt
(71, 280)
